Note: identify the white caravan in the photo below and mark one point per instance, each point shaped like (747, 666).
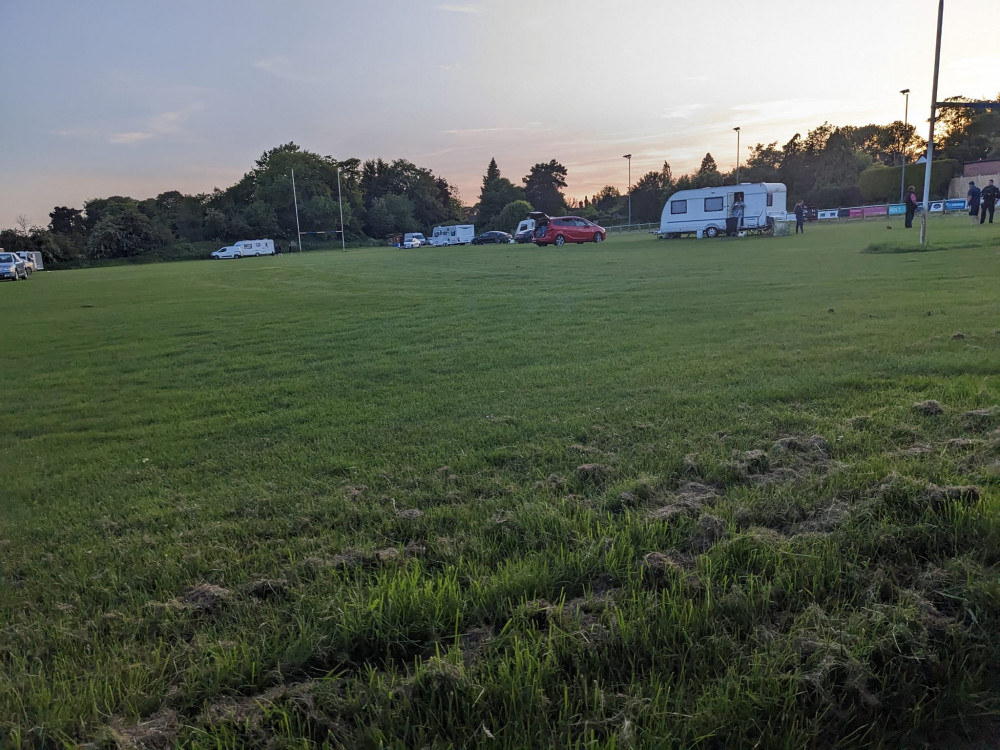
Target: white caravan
(458, 234)
(245, 248)
(525, 231)
(723, 210)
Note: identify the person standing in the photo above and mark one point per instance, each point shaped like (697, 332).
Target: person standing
(800, 217)
(911, 206)
(972, 199)
(989, 196)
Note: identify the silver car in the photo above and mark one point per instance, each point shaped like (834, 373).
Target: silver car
(12, 267)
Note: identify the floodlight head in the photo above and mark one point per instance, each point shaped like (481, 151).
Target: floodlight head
(737, 130)
(905, 91)
(627, 156)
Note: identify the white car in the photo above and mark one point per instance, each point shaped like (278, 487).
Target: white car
(411, 242)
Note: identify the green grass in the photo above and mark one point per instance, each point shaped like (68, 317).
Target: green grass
(641, 494)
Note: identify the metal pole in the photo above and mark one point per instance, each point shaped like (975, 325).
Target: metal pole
(629, 157)
(295, 199)
(930, 140)
(737, 155)
(902, 150)
(341, 203)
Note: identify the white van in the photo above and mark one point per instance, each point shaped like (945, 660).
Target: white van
(244, 249)
(525, 231)
(457, 234)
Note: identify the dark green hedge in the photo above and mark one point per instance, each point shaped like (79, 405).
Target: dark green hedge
(881, 184)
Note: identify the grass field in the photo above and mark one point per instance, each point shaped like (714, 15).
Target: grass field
(690, 494)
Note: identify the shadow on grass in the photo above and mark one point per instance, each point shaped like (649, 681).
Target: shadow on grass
(884, 248)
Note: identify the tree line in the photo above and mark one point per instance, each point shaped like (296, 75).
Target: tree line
(380, 199)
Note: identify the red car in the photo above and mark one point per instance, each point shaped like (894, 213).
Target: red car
(558, 230)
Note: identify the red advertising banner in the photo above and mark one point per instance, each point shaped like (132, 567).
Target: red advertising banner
(876, 210)
(856, 213)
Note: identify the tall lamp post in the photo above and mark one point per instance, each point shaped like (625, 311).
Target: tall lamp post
(737, 155)
(629, 157)
(906, 115)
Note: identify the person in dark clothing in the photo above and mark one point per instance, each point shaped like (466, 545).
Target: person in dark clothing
(972, 199)
(800, 217)
(911, 206)
(989, 196)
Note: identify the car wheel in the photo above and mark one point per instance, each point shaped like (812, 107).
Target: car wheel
(560, 240)
(711, 232)
(237, 256)
(598, 237)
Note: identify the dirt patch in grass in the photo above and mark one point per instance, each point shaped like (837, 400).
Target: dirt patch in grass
(687, 500)
(203, 598)
(929, 408)
(245, 712)
(267, 588)
(474, 642)
(983, 418)
(594, 473)
(158, 732)
(938, 496)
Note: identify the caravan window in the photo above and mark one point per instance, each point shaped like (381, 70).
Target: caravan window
(713, 204)
(770, 199)
(678, 207)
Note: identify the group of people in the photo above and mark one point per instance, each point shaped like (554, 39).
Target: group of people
(981, 202)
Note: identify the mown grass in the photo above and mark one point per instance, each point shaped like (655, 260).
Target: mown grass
(642, 494)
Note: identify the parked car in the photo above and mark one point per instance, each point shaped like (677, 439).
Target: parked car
(29, 262)
(12, 267)
(410, 236)
(492, 238)
(558, 230)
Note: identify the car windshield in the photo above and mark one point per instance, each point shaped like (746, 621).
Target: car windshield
(6, 257)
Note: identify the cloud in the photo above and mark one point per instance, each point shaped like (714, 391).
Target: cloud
(683, 112)
(128, 138)
(460, 8)
(162, 124)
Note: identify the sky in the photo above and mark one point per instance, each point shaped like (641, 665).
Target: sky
(139, 97)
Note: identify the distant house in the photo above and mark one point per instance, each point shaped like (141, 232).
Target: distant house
(981, 168)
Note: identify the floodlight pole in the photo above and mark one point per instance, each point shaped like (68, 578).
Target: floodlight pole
(341, 203)
(738, 155)
(629, 157)
(295, 200)
(906, 115)
(930, 140)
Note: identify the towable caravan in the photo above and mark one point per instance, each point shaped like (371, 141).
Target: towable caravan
(729, 209)
(459, 234)
(245, 249)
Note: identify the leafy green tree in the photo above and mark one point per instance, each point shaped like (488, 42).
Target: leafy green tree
(511, 215)
(430, 197)
(496, 193)
(966, 134)
(608, 200)
(69, 234)
(708, 173)
(390, 214)
(649, 193)
(543, 187)
(122, 233)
